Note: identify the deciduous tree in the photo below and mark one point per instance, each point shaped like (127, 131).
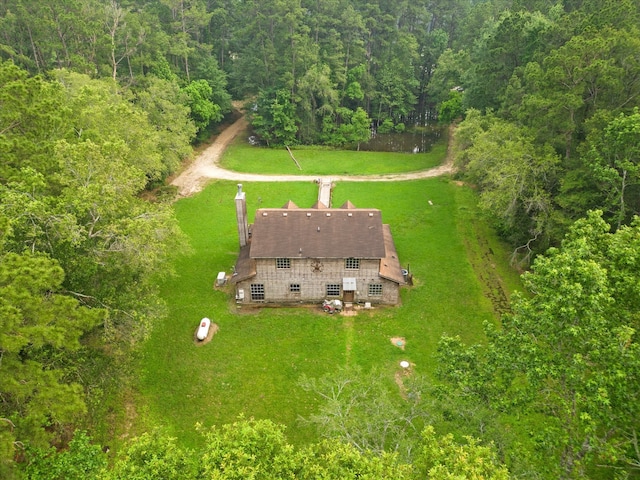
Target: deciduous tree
(443, 459)
(154, 456)
(569, 353)
(614, 158)
(82, 460)
(166, 106)
(516, 179)
(203, 110)
(275, 118)
(361, 409)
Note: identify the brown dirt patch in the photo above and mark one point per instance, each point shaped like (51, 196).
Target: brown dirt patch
(213, 329)
(399, 378)
(399, 342)
(400, 383)
(130, 416)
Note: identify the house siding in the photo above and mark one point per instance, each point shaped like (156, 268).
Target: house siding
(313, 282)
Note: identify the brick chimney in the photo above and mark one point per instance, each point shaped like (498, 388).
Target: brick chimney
(241, 216)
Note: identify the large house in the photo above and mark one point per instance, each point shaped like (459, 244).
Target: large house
(303, 255)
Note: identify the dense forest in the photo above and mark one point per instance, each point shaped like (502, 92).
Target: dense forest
(101, 101)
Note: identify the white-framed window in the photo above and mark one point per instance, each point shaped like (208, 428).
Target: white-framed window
(257, 292)
(283, 263)
(375, 289)
(294, 287)
(352, 263)
(333, 289)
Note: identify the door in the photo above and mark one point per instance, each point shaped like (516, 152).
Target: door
(348, 296)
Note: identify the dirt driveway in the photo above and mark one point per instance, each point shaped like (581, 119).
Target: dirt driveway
(205, 167)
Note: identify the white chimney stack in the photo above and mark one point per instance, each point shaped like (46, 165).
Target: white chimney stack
(241, 216)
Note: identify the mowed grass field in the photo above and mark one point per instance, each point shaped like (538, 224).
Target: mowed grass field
(242, 157)
(252, 365)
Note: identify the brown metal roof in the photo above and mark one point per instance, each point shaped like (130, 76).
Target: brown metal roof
(319, 205)
(245, 266)
(390, 264)
(348, 205)
(317, 233)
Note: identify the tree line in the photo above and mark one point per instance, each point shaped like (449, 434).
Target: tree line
(321, 72)
(81, 251)
(550, 107)
(258, 449)
(550, 89)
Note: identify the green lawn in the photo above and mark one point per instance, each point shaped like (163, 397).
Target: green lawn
(243, 157)
(252, 364)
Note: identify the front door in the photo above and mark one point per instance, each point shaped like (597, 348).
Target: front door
(348, 296)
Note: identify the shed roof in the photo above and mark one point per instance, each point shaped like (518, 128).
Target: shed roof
(245, 266)
(317, 233)
(390, 264)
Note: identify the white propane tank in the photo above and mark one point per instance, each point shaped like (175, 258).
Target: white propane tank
(203, 329)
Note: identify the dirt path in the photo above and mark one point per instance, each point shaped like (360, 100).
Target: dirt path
(205, 167)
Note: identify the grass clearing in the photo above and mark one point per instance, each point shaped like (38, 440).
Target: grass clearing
(253, 363)
(242, 157)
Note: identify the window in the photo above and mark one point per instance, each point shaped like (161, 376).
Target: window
(257, 292)
(375, 289)
(352, 263)
(294, 288)
(333, 289)
(283, 263)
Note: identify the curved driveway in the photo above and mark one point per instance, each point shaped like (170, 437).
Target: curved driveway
(206, 167)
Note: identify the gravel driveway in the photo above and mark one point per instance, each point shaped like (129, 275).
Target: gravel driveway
(205, 167)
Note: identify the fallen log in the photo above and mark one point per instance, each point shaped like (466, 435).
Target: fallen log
(292, 157)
